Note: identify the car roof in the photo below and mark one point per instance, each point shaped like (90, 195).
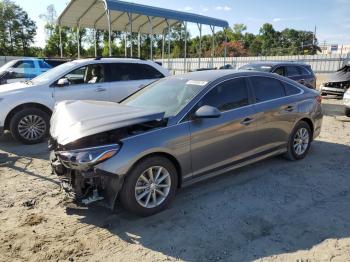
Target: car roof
(212, 75)
(112, 60)
(274, 63)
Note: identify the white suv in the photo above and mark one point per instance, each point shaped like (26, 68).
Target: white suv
(26, 107)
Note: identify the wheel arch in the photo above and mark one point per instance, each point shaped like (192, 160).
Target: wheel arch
(310, 123)
(170, 157)
(25, 106)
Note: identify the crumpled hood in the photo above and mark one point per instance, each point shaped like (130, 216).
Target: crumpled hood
(73, 120)
(12, 88)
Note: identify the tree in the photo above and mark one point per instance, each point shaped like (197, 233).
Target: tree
(17, 30)
(50, 19)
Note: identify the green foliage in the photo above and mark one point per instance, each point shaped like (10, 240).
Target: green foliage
(17, 30)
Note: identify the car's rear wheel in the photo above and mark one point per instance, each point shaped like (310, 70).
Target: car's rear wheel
(299, 142)
(347, 111)
(30, 125)
(150, 187)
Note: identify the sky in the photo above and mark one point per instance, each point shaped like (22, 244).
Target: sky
(331, 17)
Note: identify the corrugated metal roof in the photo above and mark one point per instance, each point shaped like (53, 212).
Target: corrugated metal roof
(92, 14)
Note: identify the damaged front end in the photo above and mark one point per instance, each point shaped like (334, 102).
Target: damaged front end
(76, 157)
(80, 177)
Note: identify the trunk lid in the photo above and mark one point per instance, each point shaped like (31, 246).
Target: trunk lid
(73, 120)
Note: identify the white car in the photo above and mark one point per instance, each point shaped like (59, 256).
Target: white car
(22, 69)
(346, 100)
(26, 107)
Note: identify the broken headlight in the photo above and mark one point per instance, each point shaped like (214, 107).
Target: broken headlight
(82, 159)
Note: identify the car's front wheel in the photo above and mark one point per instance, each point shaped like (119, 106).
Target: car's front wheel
(30, 125)
(150, 187)
(299, 142)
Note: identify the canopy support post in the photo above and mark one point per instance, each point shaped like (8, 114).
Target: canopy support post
(225, 48)
(163, 45)
(151, 36)
(125, 44)
(200, 45)
(212, 45)
(169, 43)
(78, 40)
(130, 22)
(108, 12)
(95, 36)
(139, 43)
(185, 51)
(61, 47)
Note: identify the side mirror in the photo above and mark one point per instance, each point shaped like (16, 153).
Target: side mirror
(207, 112)
(63, 82)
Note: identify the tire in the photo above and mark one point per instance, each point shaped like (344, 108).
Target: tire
(293, 146)
(347, 111)
(22, 119)
(129, 194)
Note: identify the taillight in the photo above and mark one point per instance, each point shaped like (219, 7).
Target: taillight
(319, 99)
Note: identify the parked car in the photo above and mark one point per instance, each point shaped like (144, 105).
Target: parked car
(25, 108)
(299, 72)
(177, 131)
(22, 70)
(347, 102)
(338, 83)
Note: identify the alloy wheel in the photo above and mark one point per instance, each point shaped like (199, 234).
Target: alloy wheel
(301, 141)
(153, 187)
(32, 127)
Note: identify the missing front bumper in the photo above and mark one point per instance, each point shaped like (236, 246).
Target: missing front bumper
(90, 186)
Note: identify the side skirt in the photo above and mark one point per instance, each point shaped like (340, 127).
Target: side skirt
(234, 166)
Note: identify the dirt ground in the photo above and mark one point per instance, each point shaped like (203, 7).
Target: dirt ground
(274, 210)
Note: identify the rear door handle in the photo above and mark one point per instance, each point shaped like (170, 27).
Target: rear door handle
(289, 108)
(100, 89)
(247, 121)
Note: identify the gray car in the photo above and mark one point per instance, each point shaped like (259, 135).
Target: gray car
(178, 131)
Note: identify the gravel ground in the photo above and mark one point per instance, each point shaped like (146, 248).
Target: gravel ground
(274, 210)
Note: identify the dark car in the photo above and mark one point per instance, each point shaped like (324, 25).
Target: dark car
(177, 131)
(299, 72)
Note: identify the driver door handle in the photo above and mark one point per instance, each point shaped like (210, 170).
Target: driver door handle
(289, 108)
(247, 121)
(100, 89)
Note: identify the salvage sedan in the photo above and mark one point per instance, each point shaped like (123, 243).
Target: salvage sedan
(177, 131)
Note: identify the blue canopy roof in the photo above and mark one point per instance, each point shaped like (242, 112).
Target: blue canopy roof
(91, 14)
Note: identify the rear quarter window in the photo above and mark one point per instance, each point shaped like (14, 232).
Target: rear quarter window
(291, 90)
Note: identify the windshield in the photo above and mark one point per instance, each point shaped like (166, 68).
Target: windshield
(257, 67)
(169, 95)
(53, 73)
(7, 65)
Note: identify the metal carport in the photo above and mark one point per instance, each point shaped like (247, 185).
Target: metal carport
(114, 15)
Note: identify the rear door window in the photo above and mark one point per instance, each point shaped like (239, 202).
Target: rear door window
(292, 71)
(266, 88)
(303, 71)
(130, 72)
(229, 95)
